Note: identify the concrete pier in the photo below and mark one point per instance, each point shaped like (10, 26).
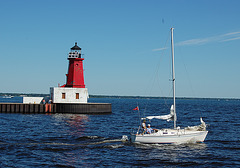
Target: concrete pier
(83, 108)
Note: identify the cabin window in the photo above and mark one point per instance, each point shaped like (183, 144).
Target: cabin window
(77, 95)
(63, 95)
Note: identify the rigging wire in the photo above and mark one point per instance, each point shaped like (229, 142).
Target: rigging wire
(188, 76)
(156, 75)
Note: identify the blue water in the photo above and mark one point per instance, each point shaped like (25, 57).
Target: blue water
(66, 140)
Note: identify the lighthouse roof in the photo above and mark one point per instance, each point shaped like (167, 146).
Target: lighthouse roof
(75, 47)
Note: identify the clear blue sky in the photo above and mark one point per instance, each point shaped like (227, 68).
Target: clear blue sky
(122, 42)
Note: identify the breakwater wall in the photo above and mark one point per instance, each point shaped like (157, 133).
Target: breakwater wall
(27, 108)
(84, 108)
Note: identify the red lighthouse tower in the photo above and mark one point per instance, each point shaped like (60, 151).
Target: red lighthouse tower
(75, 76)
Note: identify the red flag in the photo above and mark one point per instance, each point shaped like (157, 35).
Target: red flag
(136, 108)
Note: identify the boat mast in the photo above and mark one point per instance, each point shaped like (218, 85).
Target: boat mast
(173, 79)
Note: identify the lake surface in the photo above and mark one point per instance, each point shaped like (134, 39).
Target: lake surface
(67, 140)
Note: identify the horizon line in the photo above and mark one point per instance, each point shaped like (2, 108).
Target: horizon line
(102, 95)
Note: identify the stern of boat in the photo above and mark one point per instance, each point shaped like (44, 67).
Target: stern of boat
(134, 132)
(132, 137)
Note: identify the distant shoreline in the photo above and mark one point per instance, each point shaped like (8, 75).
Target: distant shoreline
(118, 97)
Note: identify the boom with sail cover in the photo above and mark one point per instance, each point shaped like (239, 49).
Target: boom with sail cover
(169, 117)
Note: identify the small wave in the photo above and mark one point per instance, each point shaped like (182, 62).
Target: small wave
(88, 137)
(114, 146)
(104, 141)
(224, 141)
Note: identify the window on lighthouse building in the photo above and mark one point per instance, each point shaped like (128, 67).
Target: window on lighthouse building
(77, 95)
(63, 95)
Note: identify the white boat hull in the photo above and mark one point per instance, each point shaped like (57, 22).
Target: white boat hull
(173, 137)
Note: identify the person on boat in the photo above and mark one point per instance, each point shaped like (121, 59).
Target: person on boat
(144, 125)
(149, 129)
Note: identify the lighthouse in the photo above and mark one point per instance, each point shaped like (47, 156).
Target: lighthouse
(74, 91)
(75, 77)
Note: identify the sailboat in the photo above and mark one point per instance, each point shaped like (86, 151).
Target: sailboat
(175, 135)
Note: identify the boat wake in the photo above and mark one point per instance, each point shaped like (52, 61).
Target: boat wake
(107, 143)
